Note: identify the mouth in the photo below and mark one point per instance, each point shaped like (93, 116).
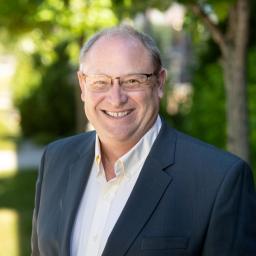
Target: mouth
(118, 114)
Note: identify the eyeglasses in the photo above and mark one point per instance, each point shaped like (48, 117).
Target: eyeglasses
(131, 82)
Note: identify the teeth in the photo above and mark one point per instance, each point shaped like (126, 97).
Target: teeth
(117, 114)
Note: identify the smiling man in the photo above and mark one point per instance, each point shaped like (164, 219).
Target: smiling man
(121, 94)
(135, 186)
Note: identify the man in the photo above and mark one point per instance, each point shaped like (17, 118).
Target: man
(136, 186)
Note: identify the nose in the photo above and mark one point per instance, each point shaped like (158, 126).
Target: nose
(116, 96)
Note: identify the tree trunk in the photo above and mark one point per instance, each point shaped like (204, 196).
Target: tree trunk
(235, 77)
(236, 105)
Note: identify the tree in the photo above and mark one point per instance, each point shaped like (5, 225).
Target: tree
(43, 25)
(47, 112)
(233, 42)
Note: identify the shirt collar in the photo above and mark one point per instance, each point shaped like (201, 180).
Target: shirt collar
(135, 156)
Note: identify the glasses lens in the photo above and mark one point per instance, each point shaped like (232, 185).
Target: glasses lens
(135, 81)
(98, 82)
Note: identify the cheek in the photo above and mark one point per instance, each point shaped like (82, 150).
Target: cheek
(92, 105)
(152, 98)
(92, 100)
(145, 98)
(138, 100)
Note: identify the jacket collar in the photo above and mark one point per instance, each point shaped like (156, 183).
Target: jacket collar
(78, 175)
(153, 181)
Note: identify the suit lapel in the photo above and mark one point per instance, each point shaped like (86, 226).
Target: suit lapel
(148, 190)
(78, 176)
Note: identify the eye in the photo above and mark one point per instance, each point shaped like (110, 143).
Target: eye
(100, 82)
(132, 81)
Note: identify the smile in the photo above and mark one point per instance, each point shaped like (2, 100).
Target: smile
(117, 114)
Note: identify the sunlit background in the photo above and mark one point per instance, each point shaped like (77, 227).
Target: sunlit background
(40, 98)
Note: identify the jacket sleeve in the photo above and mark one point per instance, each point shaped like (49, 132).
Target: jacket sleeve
(232, 226)
(34, 237)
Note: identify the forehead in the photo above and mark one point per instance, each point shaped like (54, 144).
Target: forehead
(117, 53)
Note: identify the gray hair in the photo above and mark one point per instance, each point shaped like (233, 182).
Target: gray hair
(125, 30)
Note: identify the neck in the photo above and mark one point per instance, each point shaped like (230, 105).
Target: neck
(113, 151)
(110, 153)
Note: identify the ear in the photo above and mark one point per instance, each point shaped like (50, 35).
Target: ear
(81, 84)
(161, 82)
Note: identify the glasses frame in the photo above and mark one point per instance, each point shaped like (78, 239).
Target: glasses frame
(119, 78)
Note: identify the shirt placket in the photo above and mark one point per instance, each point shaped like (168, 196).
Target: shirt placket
(100, 217)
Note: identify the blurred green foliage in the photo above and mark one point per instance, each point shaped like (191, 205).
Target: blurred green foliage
(47, 44)
(48, 111)
(206, 120)
(252, 103)
(205, 117)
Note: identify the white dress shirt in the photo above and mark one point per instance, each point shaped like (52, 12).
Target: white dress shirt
(103, 201)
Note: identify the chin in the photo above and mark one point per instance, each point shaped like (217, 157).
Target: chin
(121, 137)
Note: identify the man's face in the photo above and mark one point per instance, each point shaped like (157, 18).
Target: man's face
(117, 115)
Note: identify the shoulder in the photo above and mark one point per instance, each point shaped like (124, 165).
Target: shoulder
(199, 164)
(197, 157)
(202, 151)
(73, 144)
(60, 154)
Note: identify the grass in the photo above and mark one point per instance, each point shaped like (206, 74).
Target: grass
(16, 207)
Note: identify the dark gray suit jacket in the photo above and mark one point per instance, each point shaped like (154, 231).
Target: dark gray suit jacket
(190, 199)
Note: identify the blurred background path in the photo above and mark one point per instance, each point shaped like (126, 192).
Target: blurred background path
(27, 157)
(14, 155)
